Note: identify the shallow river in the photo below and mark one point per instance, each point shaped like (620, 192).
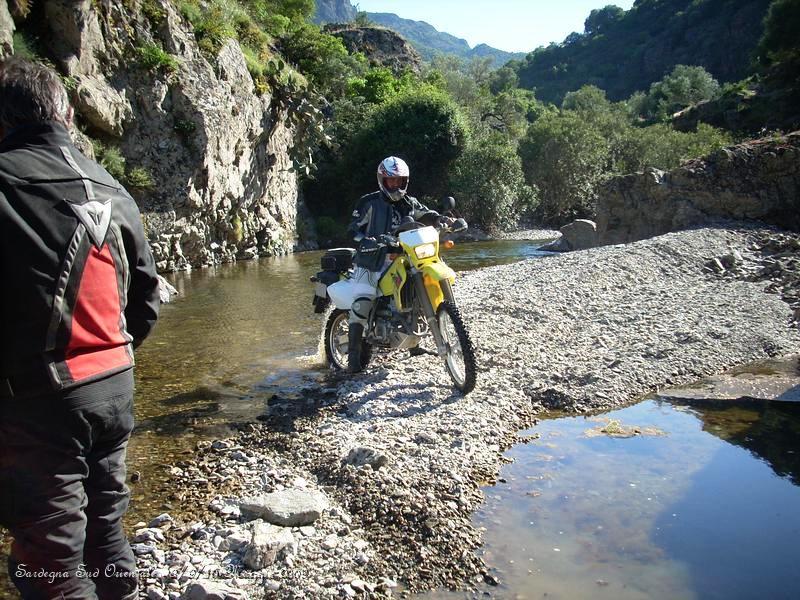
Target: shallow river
(233, 337)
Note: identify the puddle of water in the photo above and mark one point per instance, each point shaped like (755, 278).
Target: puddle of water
(709, 510)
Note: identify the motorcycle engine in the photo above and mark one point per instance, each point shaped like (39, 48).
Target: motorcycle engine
(390, 329)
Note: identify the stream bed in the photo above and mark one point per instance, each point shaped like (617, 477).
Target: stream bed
(235, 336)
(699, 501)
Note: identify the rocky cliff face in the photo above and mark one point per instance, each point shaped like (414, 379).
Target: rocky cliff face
(382, 47)
(334, 11)
(757, 180)
(216, 150)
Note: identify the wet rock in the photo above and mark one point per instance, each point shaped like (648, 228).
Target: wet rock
(160, 520)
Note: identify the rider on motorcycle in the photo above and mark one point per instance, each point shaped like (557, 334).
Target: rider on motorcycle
(377, 216)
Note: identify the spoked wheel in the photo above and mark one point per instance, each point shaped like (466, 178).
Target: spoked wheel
(460, 353)
(337, 344)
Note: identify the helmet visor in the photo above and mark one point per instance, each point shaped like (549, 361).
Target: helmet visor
(392, 184)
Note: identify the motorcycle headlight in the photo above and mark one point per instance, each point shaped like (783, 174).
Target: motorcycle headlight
(425, 250)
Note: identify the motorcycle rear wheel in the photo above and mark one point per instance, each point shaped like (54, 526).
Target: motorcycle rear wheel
(460, 353)
(337, 329)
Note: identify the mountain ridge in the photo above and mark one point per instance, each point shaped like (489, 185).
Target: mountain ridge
(425, 38)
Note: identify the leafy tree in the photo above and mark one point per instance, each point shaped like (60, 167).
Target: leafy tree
(510, 113)
(781, 30)
(600, 19)
(662, 147)
(564, 157)
(295, 10)
(588, 99)
(321, 57)
(488, 182)
(573, 38)
(779, 48)
(422, 126)
(378, 85)
(503, 79)
(362, 20)
(683, 87)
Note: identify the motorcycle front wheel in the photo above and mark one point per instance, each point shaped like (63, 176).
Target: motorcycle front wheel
(460, 353)
(337, 343)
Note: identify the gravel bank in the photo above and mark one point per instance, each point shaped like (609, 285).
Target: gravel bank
(530, 234)
(399, 458)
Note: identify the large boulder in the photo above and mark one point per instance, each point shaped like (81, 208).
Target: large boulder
(581, 234)
(288, 508)
(758, 180)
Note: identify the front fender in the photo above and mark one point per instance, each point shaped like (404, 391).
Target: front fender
(438, 271)
(432, 276)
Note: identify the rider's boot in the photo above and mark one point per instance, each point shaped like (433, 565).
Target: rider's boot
(355, 336)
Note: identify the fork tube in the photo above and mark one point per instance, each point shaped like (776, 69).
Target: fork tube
(427, 308)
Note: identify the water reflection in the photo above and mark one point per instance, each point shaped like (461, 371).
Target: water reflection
(769, 430)
(697, 513)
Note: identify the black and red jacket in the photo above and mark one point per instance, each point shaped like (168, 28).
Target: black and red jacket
(79, 285)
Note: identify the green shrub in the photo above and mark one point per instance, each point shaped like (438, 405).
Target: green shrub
(153, 11)
(424, 127)
(564, 156)
(330, 230)
(190, 11)
(140, 178)
(26, 46)
(488, 183)
(110, 158)
(212, 30)
(254, 64)
(663, 147)
(153, 58)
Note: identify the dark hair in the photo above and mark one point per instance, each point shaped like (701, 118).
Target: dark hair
(30, 93)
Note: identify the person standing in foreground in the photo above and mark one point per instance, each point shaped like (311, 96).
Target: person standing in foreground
(80, 291)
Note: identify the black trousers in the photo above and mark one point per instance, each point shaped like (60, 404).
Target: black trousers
(63, 492)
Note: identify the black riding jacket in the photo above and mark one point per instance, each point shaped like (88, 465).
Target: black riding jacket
(79, 280)
(374, 216)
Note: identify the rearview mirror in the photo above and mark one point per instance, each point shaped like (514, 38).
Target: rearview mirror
(448, 204)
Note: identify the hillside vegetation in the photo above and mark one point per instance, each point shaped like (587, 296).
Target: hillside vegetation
(625, 51)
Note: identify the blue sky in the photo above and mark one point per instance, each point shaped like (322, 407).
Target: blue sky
(513, 25)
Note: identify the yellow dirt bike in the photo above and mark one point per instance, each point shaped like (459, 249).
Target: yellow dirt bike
(415, 300)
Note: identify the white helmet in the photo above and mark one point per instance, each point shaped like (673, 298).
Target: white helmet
(393, 178)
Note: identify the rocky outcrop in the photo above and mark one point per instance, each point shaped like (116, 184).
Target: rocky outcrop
(382, 47)
(6, 31)
(212, 153)
(757, 180)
